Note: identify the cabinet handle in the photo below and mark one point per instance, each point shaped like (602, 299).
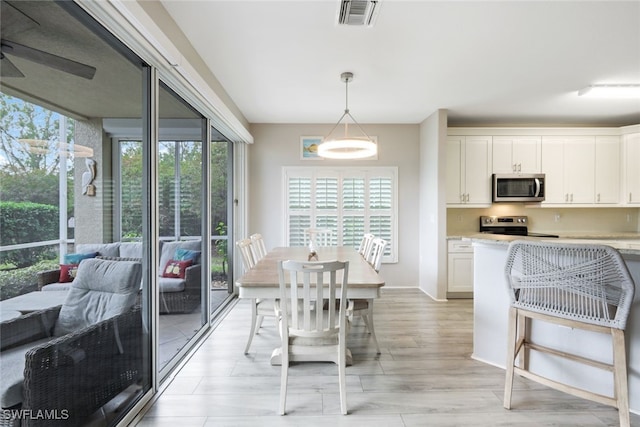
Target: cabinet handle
(467, 198)
(462, 197)
(519, 167)
(571, 197)
(598, 198)
(566, 197)
(630, 198)
(514, 167)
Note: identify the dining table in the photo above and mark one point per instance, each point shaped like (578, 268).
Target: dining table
(261, 281)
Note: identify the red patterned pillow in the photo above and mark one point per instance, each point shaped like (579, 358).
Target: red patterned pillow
(68, 272)
(176, 269)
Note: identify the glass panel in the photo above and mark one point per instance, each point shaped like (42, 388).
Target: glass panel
(352, 230)
(380, 193)
(221, 194)
(299, 193)
(326, 194)
(60, 209)
(297, 225)
(353, 194)
(180, 285)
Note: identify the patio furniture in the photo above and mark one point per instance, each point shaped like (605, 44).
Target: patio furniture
(72, 359)
(311, 330)
(177, 294)
(585, 287)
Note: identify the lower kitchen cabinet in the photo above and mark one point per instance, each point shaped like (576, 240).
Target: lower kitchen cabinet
(459, 269)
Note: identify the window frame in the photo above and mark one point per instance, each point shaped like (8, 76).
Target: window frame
(341, 173)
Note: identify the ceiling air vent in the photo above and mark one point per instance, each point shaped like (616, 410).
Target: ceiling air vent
(357, 12)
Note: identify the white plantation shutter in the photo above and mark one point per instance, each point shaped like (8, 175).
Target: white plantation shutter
(350, 202)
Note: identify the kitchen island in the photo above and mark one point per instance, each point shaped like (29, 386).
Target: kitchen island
(491, 305)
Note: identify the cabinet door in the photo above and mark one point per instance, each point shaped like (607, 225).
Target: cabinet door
(526, 154)
(477, 168)
(502, 155)
(632, 168)
(607, 172)
(460, 272)
(553, 167)
(455, 161)
(579, 169)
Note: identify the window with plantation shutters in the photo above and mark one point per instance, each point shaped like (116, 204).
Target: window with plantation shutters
(348, 201)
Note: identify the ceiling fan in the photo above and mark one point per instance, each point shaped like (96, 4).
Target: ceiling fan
(11, 48)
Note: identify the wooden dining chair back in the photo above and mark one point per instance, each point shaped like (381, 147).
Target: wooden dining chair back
(259, 307)
(258, 248)
(244, 246)
(312, 313)
(377, 252)
(577, 286)
(365, 245)
(319, 237)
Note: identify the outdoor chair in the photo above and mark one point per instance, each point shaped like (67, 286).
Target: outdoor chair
(577, 286)
(311, 330)
(72, 359)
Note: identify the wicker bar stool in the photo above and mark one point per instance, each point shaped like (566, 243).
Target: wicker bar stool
(579, 286)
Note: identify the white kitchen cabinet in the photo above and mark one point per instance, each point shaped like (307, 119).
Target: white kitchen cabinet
(631, 193)
(607, 170)
(459, 267)
(516, 154)
(568, 163)
(469, 170)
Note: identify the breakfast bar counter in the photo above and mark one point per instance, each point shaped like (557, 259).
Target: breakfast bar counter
(491, 306)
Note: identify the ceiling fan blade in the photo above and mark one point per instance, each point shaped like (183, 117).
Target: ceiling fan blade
(48, 59)
(7, 69)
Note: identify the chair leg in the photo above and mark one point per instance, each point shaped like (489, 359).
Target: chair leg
(620, 376)
(254, 316)
(342, 373)
(511, 355)
(284, 373)
(369, 321)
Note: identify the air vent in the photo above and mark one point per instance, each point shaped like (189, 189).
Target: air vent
(357, 12)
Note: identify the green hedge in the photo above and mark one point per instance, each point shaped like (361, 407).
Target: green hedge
(22, 280)
(26, 222)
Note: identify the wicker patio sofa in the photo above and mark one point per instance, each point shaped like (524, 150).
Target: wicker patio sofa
(177, 295)
(61, 365)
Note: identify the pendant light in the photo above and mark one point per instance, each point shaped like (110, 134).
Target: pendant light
(347, 147)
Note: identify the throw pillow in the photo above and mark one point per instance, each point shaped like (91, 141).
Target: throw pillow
(76, 258)
(67, 272)
(186, 254)
(176, 269)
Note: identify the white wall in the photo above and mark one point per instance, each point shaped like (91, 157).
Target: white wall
(432, 229)
(277, 145)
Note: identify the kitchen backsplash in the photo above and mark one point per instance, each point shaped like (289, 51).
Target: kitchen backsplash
(550, 220)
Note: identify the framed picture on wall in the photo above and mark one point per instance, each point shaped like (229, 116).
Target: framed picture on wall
(309, 147)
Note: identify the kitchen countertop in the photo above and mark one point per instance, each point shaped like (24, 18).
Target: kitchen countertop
(626, 243)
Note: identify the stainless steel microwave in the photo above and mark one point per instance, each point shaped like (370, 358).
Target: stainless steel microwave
(518, 187)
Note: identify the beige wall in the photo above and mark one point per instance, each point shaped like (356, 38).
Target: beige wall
(277, 145)
(569, 220)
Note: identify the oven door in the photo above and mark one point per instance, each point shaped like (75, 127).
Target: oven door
(518, 188)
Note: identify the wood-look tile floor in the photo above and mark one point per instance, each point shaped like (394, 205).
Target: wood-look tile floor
(424, 377)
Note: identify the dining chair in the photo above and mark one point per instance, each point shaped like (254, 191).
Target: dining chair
(318, 236)
(258, 248)
(364, 307)
(259, 307)
(576, 286)
(365, 245)
(310, 329)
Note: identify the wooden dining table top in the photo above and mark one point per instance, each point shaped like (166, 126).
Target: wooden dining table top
(265, 272)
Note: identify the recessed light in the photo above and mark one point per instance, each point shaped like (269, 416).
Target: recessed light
(611, 91)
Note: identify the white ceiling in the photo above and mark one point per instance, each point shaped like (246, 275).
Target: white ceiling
(488, 63)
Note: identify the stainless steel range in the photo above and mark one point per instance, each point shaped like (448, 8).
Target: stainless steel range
(510, 225)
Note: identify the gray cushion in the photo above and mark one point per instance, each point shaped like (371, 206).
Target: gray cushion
(104, 249)
(169, 250)
(169, 284)
(57, 287)
(12, 363)
(102, 289)
(131, 249)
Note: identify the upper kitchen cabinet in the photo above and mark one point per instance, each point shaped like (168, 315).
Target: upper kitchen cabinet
(468, 171)
(607, 170)
(516, 154)
(569, 165)
(632, 168)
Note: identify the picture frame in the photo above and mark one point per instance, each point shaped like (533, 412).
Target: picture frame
(309, 147)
